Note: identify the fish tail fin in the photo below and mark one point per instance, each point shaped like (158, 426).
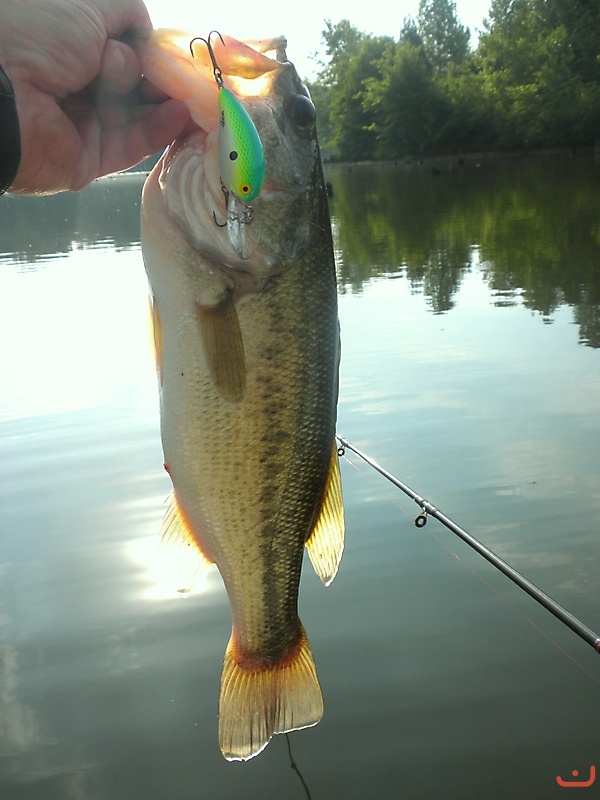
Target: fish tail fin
(258, 701)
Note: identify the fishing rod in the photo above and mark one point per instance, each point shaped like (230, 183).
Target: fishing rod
(585, 633)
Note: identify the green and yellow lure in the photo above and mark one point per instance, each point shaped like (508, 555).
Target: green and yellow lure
(241, 155)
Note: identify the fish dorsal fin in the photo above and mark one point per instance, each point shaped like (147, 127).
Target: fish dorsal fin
(221, 336)
(183, 559)
(326, 541)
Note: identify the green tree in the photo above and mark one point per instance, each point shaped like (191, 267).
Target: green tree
(471, 121)
(410, 33)
(408, 107)
(533, 81)
(538, 73)
(445, 40)
(355, 60)
(342, 40)
(578, 23)
(321, 97)
(580, 19)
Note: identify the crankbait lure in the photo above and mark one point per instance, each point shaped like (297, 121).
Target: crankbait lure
(241, 159)
(241, 155)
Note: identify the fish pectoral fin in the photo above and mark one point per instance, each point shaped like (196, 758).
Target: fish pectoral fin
(183, 559)
(325, 544)
(258, 701)
(221, 336)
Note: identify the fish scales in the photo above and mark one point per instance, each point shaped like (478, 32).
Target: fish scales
(247, 356)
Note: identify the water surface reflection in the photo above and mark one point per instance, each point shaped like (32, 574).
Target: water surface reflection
(106, 215)
(531, 224)
(434, 684)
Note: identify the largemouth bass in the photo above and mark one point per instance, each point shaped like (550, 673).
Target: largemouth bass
(247, 347)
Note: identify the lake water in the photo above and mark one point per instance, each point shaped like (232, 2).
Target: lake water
(470, 313)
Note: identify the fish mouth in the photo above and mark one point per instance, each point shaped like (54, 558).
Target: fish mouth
(255, 236)
(258, 238)
(213, 220)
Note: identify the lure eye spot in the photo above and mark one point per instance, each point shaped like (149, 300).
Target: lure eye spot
(233, 155)
(245, 189)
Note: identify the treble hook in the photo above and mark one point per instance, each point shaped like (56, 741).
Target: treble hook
(226, 193)
(217, 72)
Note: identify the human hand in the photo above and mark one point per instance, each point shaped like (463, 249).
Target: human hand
(84, 110)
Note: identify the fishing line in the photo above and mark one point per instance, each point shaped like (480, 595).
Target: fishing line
(428, 509)
(295, 768)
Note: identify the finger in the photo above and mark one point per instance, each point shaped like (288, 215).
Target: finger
(123, 15)
(156, 128)
(164, 123)
(119, 67)
(149, 93)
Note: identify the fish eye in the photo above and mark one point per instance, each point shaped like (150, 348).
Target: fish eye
(302, 112)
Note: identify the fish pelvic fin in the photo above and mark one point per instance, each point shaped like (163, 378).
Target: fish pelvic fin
(325, 544)
(183, 560)
(260, 700)
(157, 340)
(221, 336)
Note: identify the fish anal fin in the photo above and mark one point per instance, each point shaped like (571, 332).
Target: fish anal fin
(183, 559)
(258, 700)
(325, 544)
(221, 336)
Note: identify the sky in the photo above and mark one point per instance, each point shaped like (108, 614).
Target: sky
(301, 22)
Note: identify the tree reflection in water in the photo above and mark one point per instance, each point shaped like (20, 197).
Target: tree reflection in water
(533, 223)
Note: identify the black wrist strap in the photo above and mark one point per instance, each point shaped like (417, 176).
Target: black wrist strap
(10, 135)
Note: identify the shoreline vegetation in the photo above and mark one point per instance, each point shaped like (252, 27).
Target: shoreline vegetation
(462, 159)
(470, 157)
(453, 159)
(531, 84)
